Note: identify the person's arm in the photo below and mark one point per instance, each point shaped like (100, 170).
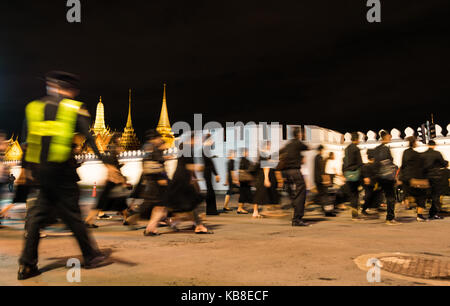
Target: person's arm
(267, 183)
(83, 127)
(442, 162)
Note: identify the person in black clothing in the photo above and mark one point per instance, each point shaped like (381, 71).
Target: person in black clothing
(107, 201)
(183, 193)
(59, 191)
(231, 180)
(11, 180)
(290, 164)
(245, 181)
(413, 169)
(322, 182)
(352, 171)
(156, 182)
(267, 180)
(209, 171)
(434, 163)
(3, 178)
(371, 189)
(386, 171)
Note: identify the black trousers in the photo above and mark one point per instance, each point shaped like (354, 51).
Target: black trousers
(62, 200)
(297, 192)
(322, 197)
(387, 188)
(436, 192)
(371, 197)
(353, 194)
(211, 205)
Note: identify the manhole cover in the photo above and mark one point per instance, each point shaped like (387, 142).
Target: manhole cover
(433, 270)
(416, 266)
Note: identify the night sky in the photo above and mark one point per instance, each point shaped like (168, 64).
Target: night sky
(294, 62)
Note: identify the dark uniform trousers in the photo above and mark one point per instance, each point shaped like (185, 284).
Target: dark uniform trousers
(298, 195)
(61, 199)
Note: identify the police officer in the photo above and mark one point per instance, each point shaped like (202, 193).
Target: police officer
(434, 162)
(49, 127)
(291, 160)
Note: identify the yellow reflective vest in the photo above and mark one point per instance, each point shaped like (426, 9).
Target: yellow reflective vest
(61, 130)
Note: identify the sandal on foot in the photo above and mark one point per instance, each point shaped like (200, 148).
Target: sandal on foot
(151, 234)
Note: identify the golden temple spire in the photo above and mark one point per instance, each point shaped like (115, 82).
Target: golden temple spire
(164, 124)
(129, 123)
(99, 125)
(129, 140)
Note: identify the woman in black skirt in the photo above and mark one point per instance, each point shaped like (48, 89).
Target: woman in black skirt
(231, 180)
(183, 193)
(267, 181)
(245, 181)
(156, 181)
(108, 200)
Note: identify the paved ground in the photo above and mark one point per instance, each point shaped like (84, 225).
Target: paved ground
(243, 251)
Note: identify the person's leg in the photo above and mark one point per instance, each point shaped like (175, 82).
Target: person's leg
(200, 228)
(256, 213)
(420, 197)
(241, 209)
(435, 197)
(158, 214)
(354, 198)
(388, 189)
(211, 206)
(368, 198)
(227, 201)
(68, 209)
(36, 217)
(299, 194)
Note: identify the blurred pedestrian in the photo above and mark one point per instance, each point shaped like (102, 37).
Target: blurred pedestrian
(433, 167)
(49, 127)
(370, 184)
(386, 175)
(412, 174)
(183, 193)
(113, 196)
(323, 182)
(290, 164)
(232, 180)
(208, 174)
(267, 182)
(246, 179)
(11, 180)
(351, 168)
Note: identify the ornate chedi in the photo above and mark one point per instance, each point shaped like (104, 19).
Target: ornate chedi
(129, 141)
(13, 151)
(102, 134)
(164, 124)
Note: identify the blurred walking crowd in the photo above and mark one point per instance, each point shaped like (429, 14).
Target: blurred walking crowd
(48, 179)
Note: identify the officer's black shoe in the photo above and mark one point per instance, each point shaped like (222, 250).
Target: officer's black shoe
(26, 272)
(300, 223)
(97, 262)
(330, 214)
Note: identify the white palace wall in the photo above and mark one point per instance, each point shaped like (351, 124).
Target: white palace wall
(92, 171)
